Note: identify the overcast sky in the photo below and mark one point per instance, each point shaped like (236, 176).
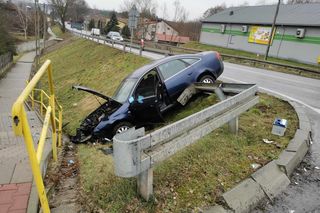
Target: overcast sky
(195, 8)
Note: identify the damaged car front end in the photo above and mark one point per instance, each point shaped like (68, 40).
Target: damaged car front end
(89, 127)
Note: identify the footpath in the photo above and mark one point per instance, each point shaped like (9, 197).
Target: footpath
(17, 191)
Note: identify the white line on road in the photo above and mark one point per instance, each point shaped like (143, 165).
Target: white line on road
(277, 94)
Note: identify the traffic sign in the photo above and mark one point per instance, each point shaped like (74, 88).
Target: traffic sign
(133, 17)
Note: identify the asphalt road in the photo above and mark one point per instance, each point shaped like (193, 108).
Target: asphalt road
(303, 195)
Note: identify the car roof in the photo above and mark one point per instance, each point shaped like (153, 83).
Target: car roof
(144, 69)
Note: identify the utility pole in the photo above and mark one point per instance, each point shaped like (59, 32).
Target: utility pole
(38, 26)
(44, 25)
(272, 30)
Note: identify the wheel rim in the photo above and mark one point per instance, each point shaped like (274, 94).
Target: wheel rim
(122, 129)
(207, 81)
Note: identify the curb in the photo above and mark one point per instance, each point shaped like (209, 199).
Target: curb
(272, 179)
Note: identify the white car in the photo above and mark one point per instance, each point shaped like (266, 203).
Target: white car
(114, 36)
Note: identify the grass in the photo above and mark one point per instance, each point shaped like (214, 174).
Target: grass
(191, 179)
(205, 47)
(58, 32)
(197, 176)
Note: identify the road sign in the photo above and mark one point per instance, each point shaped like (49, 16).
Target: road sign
(133, 17)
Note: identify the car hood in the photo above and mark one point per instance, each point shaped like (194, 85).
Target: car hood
(96, 93)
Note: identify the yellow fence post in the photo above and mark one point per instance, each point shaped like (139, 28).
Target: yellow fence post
(33, 161)
(60, 128)
(21, 126)
(54, 130)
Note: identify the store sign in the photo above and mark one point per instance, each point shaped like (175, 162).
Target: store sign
(260, 35)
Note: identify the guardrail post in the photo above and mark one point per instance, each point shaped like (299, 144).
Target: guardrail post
(140, 51)
(112, 43)
(234, 123)
(145, 184)
(124, 47)
(60, 129)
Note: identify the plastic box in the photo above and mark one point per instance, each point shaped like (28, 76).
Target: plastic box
(279, 126)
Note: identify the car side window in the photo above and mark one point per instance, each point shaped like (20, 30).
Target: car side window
(147, 86)
(171, 68)
(190, 60)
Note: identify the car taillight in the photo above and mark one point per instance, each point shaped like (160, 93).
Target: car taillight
(218, 56)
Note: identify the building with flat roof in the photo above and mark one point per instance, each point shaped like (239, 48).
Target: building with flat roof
(297, 34)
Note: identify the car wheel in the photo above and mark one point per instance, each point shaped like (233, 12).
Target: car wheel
(208, 79)
(121, 127)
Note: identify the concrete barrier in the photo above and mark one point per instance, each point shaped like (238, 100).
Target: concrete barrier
(245, 196)
(271, 179)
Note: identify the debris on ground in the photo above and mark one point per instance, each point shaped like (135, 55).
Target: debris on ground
(70, 162)
(317, 167)
(64, 197)
(267, 141)
(107, 150)
(255, 166)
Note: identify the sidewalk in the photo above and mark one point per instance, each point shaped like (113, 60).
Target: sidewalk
(15, 171)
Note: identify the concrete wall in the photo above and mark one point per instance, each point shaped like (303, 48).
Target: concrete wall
(285, 44)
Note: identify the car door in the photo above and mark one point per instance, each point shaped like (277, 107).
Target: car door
(144, 103)
(177, 74)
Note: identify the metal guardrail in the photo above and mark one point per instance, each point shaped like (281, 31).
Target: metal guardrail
(21, 126)
(166, 49)
(135, 154)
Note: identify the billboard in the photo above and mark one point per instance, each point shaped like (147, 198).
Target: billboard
(260, 35)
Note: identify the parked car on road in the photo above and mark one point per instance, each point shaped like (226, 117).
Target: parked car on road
(114, 36)
(146, 94)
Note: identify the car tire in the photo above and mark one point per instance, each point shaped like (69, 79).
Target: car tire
(208, 79)
(122, 127)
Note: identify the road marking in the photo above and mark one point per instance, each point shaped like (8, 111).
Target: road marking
(263, 89)
(253, 70)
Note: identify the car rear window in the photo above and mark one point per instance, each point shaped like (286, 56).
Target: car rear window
(171, 68)
(190, 60)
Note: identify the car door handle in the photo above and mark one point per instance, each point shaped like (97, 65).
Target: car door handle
(190, 73)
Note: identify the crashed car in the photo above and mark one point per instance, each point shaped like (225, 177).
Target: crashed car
(146, 94)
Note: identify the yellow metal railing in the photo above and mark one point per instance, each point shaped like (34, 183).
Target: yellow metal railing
(21, 125)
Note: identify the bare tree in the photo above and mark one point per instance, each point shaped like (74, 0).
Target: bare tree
(61, 7)
(23, 19)
(180, 13)
(78, 10)
(147, 9)
(214, 10)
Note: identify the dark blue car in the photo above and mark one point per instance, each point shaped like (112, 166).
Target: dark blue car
(144, 95)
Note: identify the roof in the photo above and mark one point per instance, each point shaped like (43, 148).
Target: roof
(294, 15)
(144, 69)
(172, 38)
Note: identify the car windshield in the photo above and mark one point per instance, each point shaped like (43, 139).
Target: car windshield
(124, 90)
